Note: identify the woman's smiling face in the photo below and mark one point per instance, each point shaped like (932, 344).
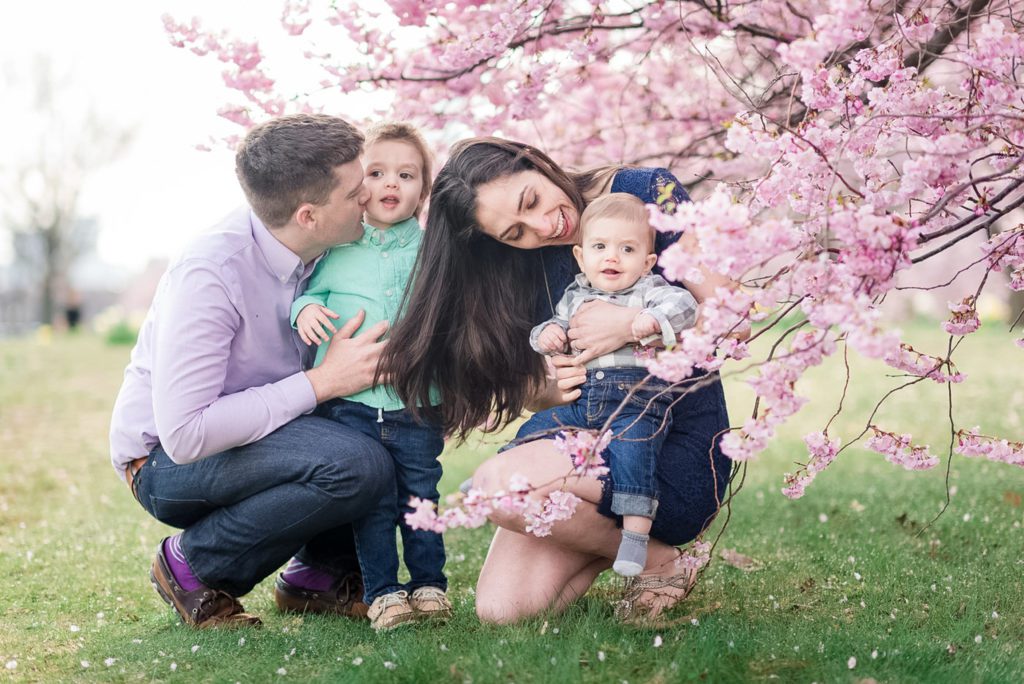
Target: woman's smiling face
(526, 210)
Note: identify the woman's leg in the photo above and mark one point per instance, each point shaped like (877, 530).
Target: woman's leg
(562, 566)
(557, 576)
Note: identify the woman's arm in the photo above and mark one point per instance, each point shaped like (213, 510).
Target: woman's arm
(706, 288)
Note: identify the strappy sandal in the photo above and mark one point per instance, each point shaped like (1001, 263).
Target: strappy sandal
(631, 611)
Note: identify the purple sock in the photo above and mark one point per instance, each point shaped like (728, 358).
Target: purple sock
(179, 567)
(301, 575)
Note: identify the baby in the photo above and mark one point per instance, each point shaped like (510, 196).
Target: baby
(616, 257)
(371, 274)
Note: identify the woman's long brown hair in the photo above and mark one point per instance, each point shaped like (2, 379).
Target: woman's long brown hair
(471, 301)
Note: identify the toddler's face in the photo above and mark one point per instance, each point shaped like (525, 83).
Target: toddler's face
(394, 177)
(615, 253)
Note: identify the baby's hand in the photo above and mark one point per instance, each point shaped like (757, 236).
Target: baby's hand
(552, 339)
(645, 324)
(313, 322)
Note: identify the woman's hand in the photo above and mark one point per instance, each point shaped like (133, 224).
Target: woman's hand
(599, 328)
(565, 375)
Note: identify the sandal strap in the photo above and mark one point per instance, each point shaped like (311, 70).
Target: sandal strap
(629, 608)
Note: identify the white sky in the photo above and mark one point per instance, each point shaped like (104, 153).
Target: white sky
(163, 191)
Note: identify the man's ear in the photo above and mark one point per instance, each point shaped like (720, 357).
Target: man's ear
(577, 252)
(305, 216)
(649, 262)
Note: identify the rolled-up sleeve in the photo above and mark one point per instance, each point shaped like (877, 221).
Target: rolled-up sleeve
(674, 308)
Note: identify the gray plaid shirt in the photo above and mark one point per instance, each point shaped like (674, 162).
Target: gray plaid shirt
(673, 307)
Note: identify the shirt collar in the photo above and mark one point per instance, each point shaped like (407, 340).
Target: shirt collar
(398, 235)
(283, 262)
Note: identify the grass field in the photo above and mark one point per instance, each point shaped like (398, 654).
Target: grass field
(849, 588)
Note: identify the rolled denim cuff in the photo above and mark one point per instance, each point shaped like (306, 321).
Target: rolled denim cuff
(634, 504)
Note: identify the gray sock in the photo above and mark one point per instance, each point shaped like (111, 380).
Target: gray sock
(632, 556)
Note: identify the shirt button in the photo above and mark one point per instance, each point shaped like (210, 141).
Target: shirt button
(599, 375)
(389, 292)
(383, 255)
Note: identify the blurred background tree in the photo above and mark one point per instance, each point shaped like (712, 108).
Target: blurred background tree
(49, 156)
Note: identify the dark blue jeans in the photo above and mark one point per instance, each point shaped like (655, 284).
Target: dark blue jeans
(414, 449)
(638, 431)
(247, 510)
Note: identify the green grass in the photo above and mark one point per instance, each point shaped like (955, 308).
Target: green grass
(847, 571)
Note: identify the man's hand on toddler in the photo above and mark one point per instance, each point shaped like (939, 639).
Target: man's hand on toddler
(552, 339)
(644, 325)
(314, 322)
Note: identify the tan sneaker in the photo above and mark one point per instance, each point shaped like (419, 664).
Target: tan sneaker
(390, 610)
(431, 603)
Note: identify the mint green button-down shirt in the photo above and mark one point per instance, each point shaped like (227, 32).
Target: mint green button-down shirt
(368, 274)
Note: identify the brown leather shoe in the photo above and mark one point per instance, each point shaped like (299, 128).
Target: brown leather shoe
(203, 608)
(344, 598)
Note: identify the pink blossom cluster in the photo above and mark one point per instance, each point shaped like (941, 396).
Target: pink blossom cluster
(899, 450)
(775, 386)
(965, 317)
(706, 346)
(822, 451)
(908, 359)
(696, 556)
(731, 243)
(245, 74)
(1005, 252)
(295, 17)
(558, 505)
(584, 448)
(970, 443)
(539, 514)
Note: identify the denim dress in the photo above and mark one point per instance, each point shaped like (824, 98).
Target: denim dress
(691, 471)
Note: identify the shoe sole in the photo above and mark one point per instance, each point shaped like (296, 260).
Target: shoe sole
(434, 615)
(164, 593)
(411, 620)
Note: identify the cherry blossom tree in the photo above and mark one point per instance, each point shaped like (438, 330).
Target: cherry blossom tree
(832, 146)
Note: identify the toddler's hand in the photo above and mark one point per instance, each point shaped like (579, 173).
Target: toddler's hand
(552, 339)
(313, 322)
(643, 325)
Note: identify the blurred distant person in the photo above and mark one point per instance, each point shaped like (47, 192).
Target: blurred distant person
(73, 309)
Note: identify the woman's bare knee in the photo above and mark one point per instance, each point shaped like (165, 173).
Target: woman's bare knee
(491, 612)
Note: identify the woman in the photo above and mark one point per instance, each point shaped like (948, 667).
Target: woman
(495, 257)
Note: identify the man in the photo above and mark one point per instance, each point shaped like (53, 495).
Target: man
(211, 427)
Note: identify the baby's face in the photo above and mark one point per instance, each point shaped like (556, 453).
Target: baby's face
(615, 253)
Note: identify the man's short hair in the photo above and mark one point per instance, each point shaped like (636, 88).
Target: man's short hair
(290, 160)
(621, 206)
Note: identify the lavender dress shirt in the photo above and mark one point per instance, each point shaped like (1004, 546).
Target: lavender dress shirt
(217, 364)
